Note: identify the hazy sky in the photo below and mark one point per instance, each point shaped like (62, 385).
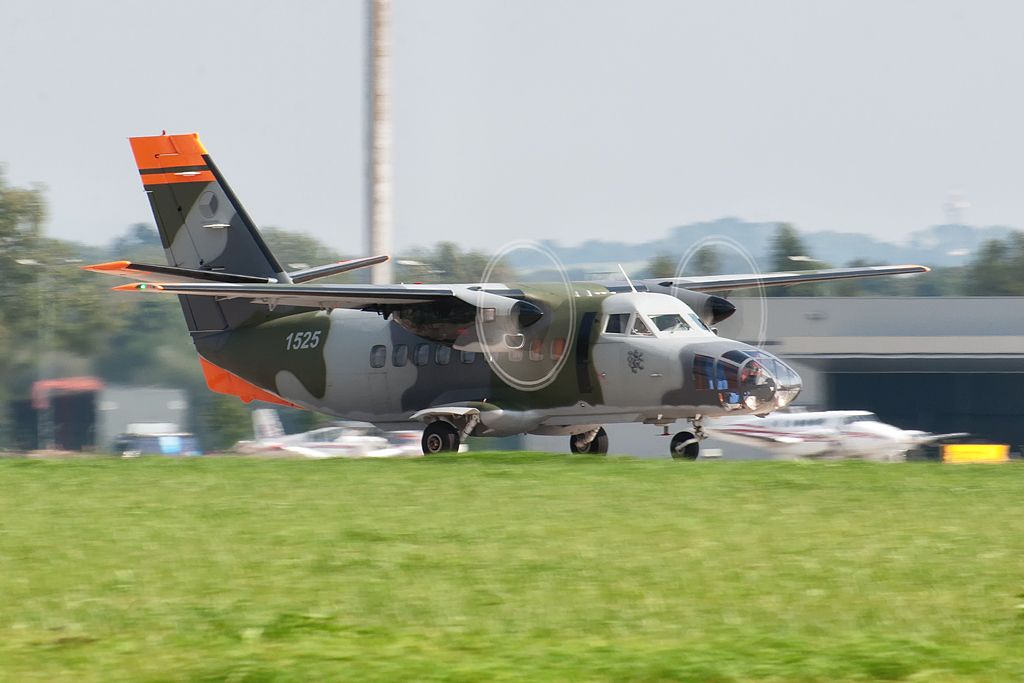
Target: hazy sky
(529, 119)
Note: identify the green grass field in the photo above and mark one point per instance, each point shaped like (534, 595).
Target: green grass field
(509, 566)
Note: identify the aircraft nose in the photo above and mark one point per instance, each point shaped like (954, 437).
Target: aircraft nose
(787, 384)
(772, 381)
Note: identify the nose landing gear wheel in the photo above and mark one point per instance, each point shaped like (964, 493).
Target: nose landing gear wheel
(685, 446)
(440, 437)
(598, 445)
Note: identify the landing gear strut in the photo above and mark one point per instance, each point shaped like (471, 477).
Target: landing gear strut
(594, 442)
(686, 445)
(440, 437)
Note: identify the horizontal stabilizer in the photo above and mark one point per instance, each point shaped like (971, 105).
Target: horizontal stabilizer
(168, 274)
(317, 272)
(305, 296)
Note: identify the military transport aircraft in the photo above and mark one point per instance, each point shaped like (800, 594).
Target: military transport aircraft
(482, 359)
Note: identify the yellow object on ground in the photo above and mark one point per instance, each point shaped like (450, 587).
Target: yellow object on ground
(975, 452)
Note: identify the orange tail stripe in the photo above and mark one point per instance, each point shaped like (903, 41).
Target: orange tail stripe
(163, 151)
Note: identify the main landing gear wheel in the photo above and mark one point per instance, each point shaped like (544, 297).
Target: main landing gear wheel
(440, 437)
(597, 445)
(685, 446)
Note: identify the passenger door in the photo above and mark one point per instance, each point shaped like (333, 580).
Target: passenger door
(377, 379)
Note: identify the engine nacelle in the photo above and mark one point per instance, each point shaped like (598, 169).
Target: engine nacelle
(448, 320)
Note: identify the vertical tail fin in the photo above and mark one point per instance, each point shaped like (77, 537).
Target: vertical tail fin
(266, 424)
(202, 224)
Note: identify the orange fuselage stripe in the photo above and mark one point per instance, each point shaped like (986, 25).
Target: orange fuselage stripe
(224, 382)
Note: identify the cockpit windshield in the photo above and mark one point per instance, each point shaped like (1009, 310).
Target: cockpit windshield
(670, 323)
(698, 322)
(640, 327)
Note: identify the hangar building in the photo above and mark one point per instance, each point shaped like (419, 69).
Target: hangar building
(937, 364)
(942, 364)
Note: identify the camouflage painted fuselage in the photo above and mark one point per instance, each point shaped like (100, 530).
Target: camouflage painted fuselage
(367, 367)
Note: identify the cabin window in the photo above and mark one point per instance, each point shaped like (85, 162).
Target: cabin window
(617, 323)
(378, 354)
(400, 356)
(670, 322)
(468, 357)
(422, 354)
(640, 327)
(443, 355)
(703, 372)
(537, 349)
(557, 348)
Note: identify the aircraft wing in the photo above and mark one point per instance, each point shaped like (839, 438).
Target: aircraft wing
(313, 453)
(725, 283)
(924, 438)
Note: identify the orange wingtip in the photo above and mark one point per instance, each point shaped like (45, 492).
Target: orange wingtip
(137, 287)
(112, 265)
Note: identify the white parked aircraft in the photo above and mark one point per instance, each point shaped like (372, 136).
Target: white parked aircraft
(835, 433)
(341, 440)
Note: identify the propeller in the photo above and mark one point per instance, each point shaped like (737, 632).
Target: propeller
(525, 336)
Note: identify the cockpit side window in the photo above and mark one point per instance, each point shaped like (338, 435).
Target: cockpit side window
(640, 327)
(617, 323)
(726, 376)
(703, 372)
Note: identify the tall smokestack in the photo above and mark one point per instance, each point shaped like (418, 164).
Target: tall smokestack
(378, 137)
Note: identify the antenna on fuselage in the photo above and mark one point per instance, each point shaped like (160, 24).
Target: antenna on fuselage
(630, 282)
